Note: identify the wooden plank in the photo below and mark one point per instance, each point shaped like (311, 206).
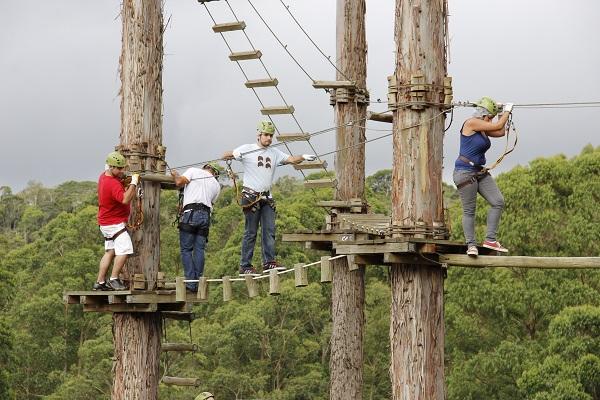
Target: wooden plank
(277, 110)
(320, 183)
(521, 262)
(180, 289)
(245, 55)
(227, 289)
(152, 298)
(311, 165)
(70, 299)
(96, 292)
(229, 27)
(252, 286)
(292, 137)
(179, 315)
(317, 237)
(177, 381)
(353, 263)
(326, 270)
(334, 85)
(120, 308)
(300, 275)
(116, 299)
(254, 83)
(165, 347)
(342, 248)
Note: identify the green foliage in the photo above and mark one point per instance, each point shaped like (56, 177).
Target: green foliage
(510, 333)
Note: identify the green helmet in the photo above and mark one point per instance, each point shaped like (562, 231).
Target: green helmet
(204, 396)
(214, 167)
(489, 104)
(116, 159)
(266, 127)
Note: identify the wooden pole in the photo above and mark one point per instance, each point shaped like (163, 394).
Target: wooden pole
(521, 262)
(137, 335)
(348, 287)
(417, 309)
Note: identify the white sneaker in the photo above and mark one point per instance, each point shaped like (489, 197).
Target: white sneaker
(472, 250)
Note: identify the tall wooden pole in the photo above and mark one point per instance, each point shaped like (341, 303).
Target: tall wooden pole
(417, 309)
(348, 287)
(137, 335)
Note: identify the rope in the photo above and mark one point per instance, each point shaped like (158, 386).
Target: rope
(139, 220)
(264, 276)
(328, 58)
(285, 47)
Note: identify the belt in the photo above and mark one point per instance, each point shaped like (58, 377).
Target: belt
(471, 163)
(196, 206)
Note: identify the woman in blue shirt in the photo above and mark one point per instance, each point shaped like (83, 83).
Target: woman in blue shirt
(471, 177)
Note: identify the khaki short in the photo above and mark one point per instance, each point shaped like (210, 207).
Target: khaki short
(122, 245)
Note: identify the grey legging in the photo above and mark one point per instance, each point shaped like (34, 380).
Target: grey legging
(468, 196)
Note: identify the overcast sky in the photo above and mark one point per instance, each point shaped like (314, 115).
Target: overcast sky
(59, 109)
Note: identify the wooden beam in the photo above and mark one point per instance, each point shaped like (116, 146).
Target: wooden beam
(380, 117)
(114, 308)
(521, 262)
(160, 178)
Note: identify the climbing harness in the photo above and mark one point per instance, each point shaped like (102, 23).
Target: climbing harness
(195, 229)
(116, 235)
(248, 194)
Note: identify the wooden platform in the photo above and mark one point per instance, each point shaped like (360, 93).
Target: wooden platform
(130, 300)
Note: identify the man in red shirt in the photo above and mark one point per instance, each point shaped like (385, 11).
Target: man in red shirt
(113, 213)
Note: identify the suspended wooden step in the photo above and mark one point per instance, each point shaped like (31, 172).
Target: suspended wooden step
(311, 164)
(229, 26)
(176, 381)
(179, 315)
(277, 110)
(261, 83)
(333, 84)
(179, 347)
(320, 183)
(292, 137)
(245, 55)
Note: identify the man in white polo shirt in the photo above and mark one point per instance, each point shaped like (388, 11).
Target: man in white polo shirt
(260, 161)
(200, 191)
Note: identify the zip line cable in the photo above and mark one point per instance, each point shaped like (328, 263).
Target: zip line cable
(328, 58)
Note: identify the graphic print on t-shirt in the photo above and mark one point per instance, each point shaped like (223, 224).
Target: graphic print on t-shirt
(266, 164)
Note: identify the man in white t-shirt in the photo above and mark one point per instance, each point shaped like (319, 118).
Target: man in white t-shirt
(260, 161)
(200, 190)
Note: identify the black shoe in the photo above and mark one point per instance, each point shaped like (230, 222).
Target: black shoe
(251, 271)
(272, 265)
(116, 284)
(101, 286)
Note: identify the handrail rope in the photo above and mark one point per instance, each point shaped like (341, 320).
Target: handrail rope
(265, 276)
(328, 58)
(278, 40)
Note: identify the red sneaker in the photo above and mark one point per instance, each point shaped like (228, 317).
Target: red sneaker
(495, 246)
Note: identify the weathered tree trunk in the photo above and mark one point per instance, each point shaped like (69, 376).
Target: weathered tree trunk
(417, 314)
(137, 335)
(348, 287)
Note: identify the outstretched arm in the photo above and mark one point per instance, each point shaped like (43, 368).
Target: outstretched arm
(299, 159)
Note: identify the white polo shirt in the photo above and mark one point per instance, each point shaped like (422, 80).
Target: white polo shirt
(203, 187)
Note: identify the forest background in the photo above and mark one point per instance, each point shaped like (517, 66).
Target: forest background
(510, 333)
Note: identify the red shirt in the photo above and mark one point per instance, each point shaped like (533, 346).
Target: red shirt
(111, 210)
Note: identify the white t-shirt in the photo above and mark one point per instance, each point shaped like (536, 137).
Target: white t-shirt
(203, 187)
(259, 166)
